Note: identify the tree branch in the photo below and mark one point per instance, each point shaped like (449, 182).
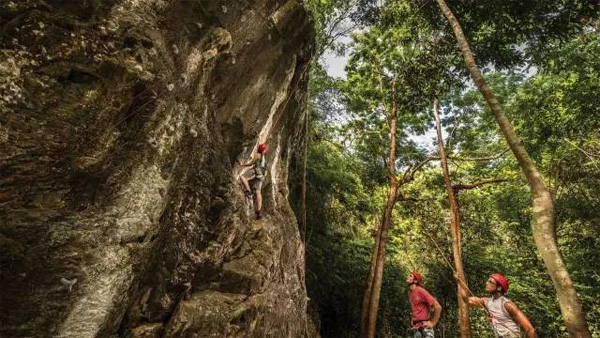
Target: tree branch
(483, 158)
(409, 174)
(451, 136)
(590, 156)
(402, 198)
(331, 35)
(477, 184)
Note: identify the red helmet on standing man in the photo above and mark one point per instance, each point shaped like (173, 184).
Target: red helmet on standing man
(417, 276)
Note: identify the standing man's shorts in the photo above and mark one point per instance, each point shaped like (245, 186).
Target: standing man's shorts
(255, 181)
(424, 333)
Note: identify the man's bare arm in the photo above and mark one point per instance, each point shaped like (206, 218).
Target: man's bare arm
(521, 319)
(476, 301)
(437, 313)
(472, 301)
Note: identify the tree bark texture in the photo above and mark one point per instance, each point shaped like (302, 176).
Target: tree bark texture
(463, 307)
(364, 315)
(543, 220)
(386, 222)
(380, 262)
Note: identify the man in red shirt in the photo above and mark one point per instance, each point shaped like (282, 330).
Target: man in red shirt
(421, 302)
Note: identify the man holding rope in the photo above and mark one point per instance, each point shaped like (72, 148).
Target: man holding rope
(504, 315)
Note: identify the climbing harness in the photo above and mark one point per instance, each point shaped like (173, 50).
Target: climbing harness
(260, 168)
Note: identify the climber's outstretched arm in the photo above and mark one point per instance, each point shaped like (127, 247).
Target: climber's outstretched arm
(254, 159)
(472, 301)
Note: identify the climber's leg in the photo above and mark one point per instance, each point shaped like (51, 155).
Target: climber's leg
(257, 187)
(246, 178)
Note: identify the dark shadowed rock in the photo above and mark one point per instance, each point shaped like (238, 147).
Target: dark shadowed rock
(121, 123)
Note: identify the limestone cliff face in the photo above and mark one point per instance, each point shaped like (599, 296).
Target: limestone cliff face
(121, 122)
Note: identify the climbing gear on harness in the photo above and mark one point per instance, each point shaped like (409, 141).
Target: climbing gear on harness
(260, 167)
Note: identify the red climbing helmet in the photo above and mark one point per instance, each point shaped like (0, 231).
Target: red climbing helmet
(501, 280)
(417, 276)
(262, 148)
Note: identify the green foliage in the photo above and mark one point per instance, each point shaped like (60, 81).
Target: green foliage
(506, 33)
(340, 218)
(557, 114)
(327, 16)
(555, 107)
(334, 19)
(338, 193)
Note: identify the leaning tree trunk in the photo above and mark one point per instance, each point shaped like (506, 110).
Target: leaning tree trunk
(386, 222)
(543, 222)
(380, 262)
(463, 307)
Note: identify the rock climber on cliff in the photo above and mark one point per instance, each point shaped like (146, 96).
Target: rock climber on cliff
(421, 302)
(254, 177)
(504, 315)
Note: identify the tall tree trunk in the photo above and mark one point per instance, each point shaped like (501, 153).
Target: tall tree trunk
(380, 262)
(463, 307)
(543, 220)
(386, 223)
(364, 315)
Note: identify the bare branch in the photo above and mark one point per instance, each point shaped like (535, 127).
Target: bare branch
(331, 33)
(477, 184)
(421, 164)
(409, 174)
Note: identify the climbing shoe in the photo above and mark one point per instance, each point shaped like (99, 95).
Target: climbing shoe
(248, 193)
(258, 216)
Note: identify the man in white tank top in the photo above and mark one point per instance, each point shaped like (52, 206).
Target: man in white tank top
(505, 316)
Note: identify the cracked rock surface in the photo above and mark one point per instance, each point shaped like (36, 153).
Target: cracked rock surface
(121, 124)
